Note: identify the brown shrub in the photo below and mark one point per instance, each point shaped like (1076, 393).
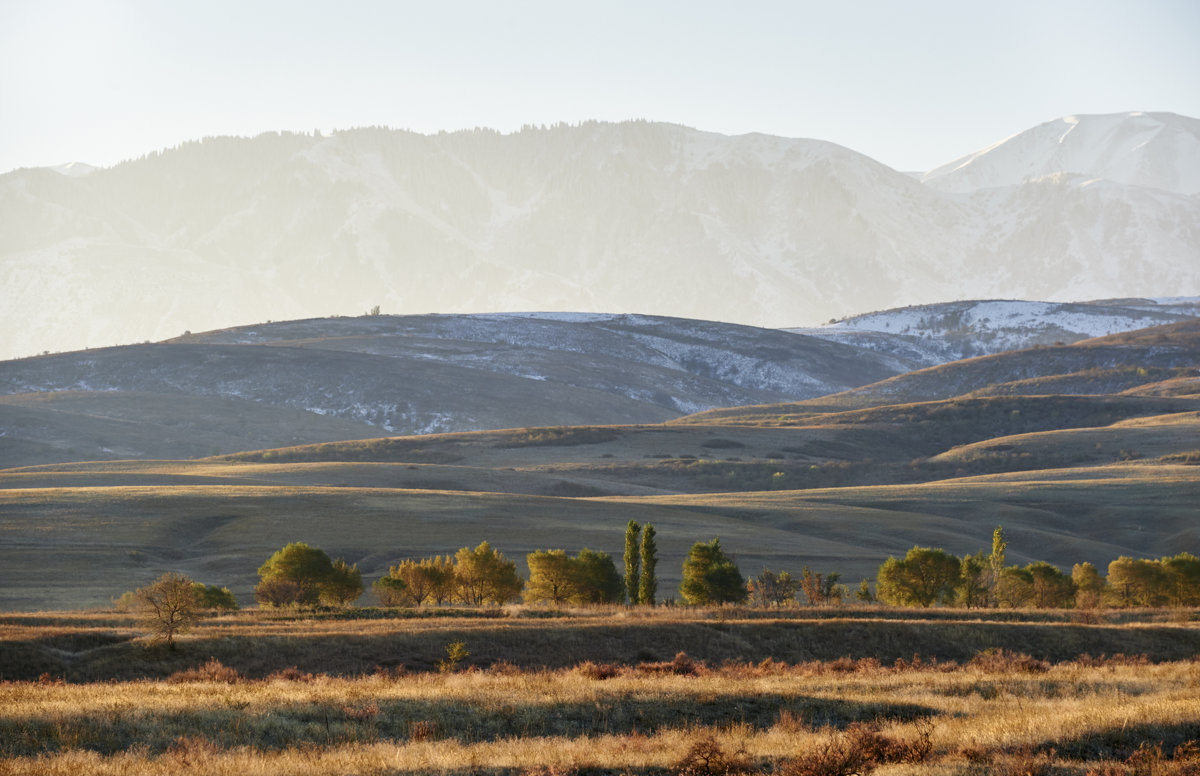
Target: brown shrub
(707, 758)
(857, 751)
(682, 665)
(421, 730)
(192, 751)
(1004, 661)
(597, 671)
(292, 674)
(212, 671)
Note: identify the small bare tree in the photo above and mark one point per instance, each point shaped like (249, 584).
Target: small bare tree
(168, 606)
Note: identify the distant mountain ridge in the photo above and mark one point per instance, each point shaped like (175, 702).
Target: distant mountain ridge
(927, 335)
(322, 380)
(631, 217)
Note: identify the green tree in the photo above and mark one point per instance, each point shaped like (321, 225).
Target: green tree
(1050, 588)
(425, 581)
(598, 580)
(996, 561)
(343, 585)
(1089, 586)
(974, 575)
(648, 586)
(1183, 579)
(484, 576)
(710, 576)
(864, 593)
(308, 567)
(924, 577)
(391, 591)
(633, 560)
(1014, 588)
(1137, 582)
(552, 577)
(213, 597)
(168, 606)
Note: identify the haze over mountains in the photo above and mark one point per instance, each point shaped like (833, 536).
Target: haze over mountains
(632, 217)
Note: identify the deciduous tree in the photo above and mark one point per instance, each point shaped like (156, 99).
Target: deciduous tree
(169, 606)
(484, 576)
(924, 577)
(308, 567)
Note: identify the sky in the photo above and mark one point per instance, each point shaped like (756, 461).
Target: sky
(912, 83)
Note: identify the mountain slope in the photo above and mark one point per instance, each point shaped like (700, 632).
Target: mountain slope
(287, 383)
(634, 217)
(1151, 150)
(934, 334)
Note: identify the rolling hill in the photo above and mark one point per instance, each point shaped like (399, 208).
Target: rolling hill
(820, 483)
(346, 378)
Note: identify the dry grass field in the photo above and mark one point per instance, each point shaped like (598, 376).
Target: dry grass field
(607, 691)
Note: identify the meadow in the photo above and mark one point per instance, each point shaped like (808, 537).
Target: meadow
(606, 690)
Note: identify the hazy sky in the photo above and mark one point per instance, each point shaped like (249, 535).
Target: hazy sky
(912, 83)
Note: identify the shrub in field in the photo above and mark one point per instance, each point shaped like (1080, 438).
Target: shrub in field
(707, 758)
(390, 591)
(456, 653)
(213, 597)
(278, 593)
(212, 671)
(597, 671)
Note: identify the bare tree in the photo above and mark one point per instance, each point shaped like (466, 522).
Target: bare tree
(169, 606)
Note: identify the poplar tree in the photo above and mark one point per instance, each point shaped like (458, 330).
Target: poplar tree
(649, 583)
(633, 564)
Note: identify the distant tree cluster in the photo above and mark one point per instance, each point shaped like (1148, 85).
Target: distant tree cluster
(475, 577)
(299, 574)
(928, 576)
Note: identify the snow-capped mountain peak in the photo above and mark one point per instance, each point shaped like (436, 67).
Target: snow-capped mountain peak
(1153, 150)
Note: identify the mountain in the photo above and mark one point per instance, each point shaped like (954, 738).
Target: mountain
(631, 217)
(298, 382)
(1151, 150)
(927, 335)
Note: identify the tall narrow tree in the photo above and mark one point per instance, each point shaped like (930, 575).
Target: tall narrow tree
(648, 586)
(633, 571)
(996, 560)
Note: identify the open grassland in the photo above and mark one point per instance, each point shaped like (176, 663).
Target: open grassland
(81, 546)
(599, 691)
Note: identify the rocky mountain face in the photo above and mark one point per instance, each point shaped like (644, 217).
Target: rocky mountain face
(632, 217)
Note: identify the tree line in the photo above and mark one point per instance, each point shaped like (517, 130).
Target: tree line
(927, 576)
(301, 575)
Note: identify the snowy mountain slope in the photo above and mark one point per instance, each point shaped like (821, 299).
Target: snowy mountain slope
(412, 375)
(632, 217)
(1150, 150)
(939, 333)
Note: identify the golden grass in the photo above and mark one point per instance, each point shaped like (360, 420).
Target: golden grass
(506, 722)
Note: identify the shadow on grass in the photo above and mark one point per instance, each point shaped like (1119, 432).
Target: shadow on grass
(1120, 743)
(324, 722)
